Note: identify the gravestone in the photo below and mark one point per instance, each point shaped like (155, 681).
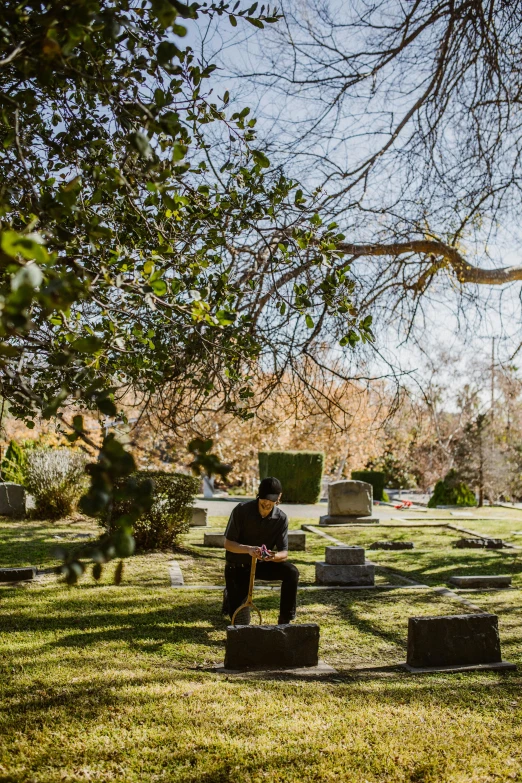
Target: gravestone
(214, 540)
(17, 574)
(345, 565)
(465, 640)
(272, 646)
(480, 543)
(481, 581)
(199, 517)
(12, 500)
(393, 545)
(296, 541)
(348, 502)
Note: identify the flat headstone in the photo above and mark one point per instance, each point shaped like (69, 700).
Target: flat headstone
(344, 555)
(296, 540)
(328, 520)
(272, 646)
(393, 545)
(214, 539)
(17, 574)
(199, 517)
(305, 672)
(480, 543)
(12, 500)
(353, 575)
(481, 581)
(454, 640)
(350, 498)
(176, 577)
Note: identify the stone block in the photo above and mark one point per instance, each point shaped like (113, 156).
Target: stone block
(17, 574)
(349, 575)
(455, 640)
(272, 646)
(344, 555)
(296, 540)
(480, 543)
(199, 517)
(350, 499)
(481, 581)
(12, 500)
(176, 576)
(393, 545)
(214, 539)
(326, 520)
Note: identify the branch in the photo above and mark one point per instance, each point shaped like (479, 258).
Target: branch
(464, 271)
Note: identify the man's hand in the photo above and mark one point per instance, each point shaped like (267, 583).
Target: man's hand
(255, 551)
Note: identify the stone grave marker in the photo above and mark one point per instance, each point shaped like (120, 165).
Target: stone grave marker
(481, 581)
(272, 646)
(296, 540)
(12, 500)
(17, 574)
(345, 565)
(199, 517)
(393, 545)
(454, 641)
(349, 502)
(480, 543)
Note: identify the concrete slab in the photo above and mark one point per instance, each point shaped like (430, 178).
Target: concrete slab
(296, 541)
(288, 646)
(481, 581)
(214, 540)
(321, 670)
(392, 545)
(500, 666)
(342, 521)
(176, 577)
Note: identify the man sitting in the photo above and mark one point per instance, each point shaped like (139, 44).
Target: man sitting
(251, 525)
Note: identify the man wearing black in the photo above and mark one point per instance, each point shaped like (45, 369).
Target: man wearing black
(251, 525)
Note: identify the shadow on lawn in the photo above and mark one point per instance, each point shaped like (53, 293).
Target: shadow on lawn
(436, 568)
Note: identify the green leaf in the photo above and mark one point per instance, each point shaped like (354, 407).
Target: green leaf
(260, 158)
(89, 344)
(29, 246)
(232, 20)
(309, 322)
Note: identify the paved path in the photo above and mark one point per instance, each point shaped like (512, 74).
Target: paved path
(222, 507)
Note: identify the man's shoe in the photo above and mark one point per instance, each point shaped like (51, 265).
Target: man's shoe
(284, 620)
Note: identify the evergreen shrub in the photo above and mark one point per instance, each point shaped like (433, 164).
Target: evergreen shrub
(373, 477)
(451, 491)
(169, 516)
(300, 473)
(56, 479)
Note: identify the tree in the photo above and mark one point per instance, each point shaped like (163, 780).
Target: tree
(408, 119)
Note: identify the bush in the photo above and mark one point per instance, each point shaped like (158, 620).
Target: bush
(373, 477)
(300, 473)
(451, 492)
(14, 463)
(55, 478)
(160, 528)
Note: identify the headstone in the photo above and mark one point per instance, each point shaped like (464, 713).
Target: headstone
(176, 577)
(480, 543)
(272, 646)
(456, 640)
(481, 581)
(349, 502)
(12, 500)
(344, 555)
(393, 545)
(214, 540)
(199, 517)
(345, 575)
(296, 540)
(17, 574)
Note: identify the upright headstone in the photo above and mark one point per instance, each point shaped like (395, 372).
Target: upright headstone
(349, 502)
(12, 500)
(345, 565)
(214, 540)
(199, 517)
(272, 646)
(454, 641)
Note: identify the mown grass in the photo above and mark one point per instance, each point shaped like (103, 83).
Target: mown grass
(104, 683)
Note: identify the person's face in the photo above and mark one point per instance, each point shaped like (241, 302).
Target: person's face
(266, 506)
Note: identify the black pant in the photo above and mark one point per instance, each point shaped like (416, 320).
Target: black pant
(237, 578)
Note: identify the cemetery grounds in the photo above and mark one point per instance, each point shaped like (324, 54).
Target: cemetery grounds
(115, 683)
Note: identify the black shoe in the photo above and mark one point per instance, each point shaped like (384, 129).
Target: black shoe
(284, 620)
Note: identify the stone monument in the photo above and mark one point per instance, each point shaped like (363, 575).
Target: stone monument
(345, 565)
(349, 502)
(198, 517)
(12, 500)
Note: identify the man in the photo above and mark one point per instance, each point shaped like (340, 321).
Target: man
(251, 525)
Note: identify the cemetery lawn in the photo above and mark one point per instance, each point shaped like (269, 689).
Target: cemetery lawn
(104, 683)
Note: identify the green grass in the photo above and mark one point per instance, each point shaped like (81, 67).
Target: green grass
(104, 683)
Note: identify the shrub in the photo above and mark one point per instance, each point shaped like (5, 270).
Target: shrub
(169, 516)
(300, 473)
(55, 478)
(373, 477)
(14, 463)
(450, 491)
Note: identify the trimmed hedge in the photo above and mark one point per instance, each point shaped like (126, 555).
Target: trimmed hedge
(300, 473)
(373, 477)
(160, 528)
(451, 492)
